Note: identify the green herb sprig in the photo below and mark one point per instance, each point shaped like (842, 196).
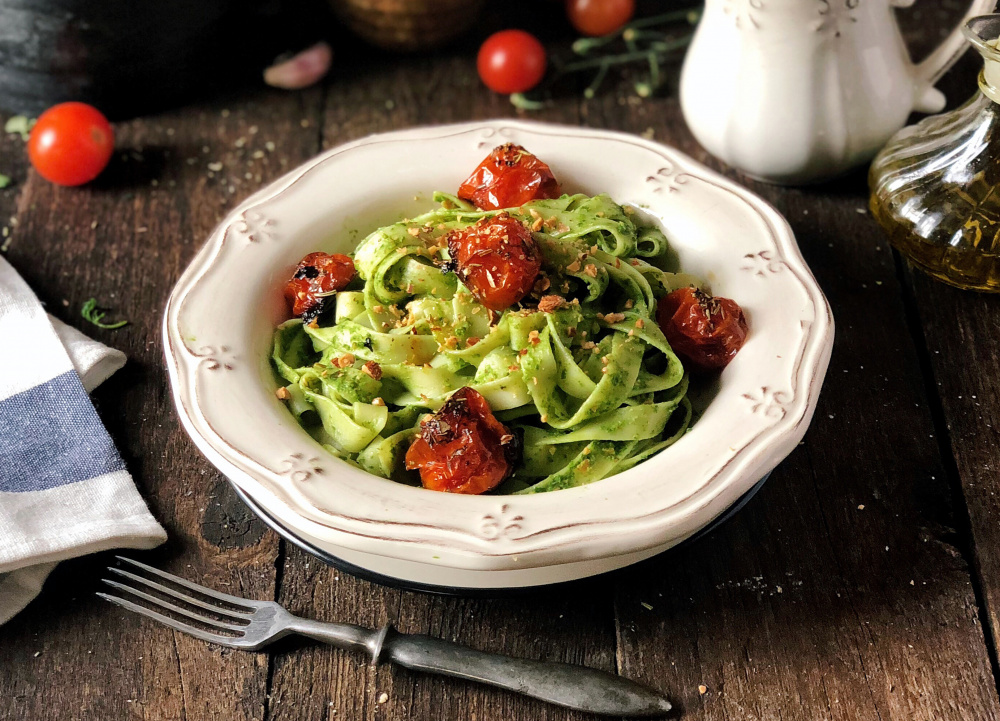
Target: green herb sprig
(19, 124)
(91, 313)
(650, 41)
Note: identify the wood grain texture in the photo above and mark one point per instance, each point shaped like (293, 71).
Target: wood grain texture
(125, 241)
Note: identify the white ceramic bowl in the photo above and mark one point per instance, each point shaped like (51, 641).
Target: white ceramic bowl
(220, 317)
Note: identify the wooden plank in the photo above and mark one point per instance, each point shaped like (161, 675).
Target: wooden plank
(960, 332)
(839, 591)
(125, 240)
(321, 683)
(957, 335)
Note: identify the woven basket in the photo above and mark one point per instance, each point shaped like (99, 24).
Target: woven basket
(405, 25)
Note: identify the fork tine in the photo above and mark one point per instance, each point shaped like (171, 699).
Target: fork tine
(176, 609)
(235, 600)
(181, 596)
(173, 623)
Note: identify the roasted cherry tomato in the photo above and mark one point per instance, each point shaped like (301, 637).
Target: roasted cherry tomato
(317, 274)
(463, 448)
(511, 61)
(71, 144)
(509, 177)
(497, 259)
(599, 17)
(704, 331)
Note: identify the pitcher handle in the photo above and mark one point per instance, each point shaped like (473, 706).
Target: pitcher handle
(928, 71)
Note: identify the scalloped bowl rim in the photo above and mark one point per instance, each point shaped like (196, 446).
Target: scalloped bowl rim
(244, 436)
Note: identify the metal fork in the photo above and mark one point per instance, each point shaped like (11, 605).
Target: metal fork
(251, 625)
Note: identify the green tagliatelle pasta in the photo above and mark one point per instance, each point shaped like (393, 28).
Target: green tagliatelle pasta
(586, 375)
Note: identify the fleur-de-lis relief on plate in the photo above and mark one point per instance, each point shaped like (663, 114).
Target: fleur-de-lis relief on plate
(768, 402)
(504, 524)
(488, 133)
(745, 13)
(835, 15)
(215, 358)
(667, 177)
(300, 469)
(762, 263)
(254, 226)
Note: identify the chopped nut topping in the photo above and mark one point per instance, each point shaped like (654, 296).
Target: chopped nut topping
(549, 303)
(588, 345)
(544, 418)
(537, 225)
(413, 231)
(614, 318)
(283, 394)
(629, 304)
(574, 266)
(373, 369)
(513, 367)
(524, 351)
(542, 284)
(377, 308)
(344, 361)
(591, 270)
(571, 331)
(533, 338)
(584, 465)
(506, 438)
(378, 402)
(640, 323)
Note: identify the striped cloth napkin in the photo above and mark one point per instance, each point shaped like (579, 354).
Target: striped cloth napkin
(64, 490)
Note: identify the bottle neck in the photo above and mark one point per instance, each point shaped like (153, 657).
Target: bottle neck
(989, 79)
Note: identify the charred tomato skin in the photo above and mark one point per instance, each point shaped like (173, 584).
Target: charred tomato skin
(704, 331)
(463, 448)
(496, 259)
(508, 178)
(316, 274)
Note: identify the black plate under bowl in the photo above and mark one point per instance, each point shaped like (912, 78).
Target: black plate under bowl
(342, 565)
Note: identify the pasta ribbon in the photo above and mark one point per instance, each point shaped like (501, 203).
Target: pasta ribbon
(585, 375)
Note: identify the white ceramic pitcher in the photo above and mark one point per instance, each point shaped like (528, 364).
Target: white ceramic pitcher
(798, 91)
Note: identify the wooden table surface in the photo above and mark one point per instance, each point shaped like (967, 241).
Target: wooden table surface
(862, 582)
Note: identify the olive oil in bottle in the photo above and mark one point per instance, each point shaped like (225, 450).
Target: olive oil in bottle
(935, 187)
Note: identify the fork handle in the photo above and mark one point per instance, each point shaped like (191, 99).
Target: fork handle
(563, 684)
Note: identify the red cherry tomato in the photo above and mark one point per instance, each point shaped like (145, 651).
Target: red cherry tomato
(463, 448)
(599, 17)
(511, 61)
(497, 259)
(317, 273)
(704, 331)
(509, 177)
(71, 144)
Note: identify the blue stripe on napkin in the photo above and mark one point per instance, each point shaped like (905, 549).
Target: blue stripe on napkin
(50, 436)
